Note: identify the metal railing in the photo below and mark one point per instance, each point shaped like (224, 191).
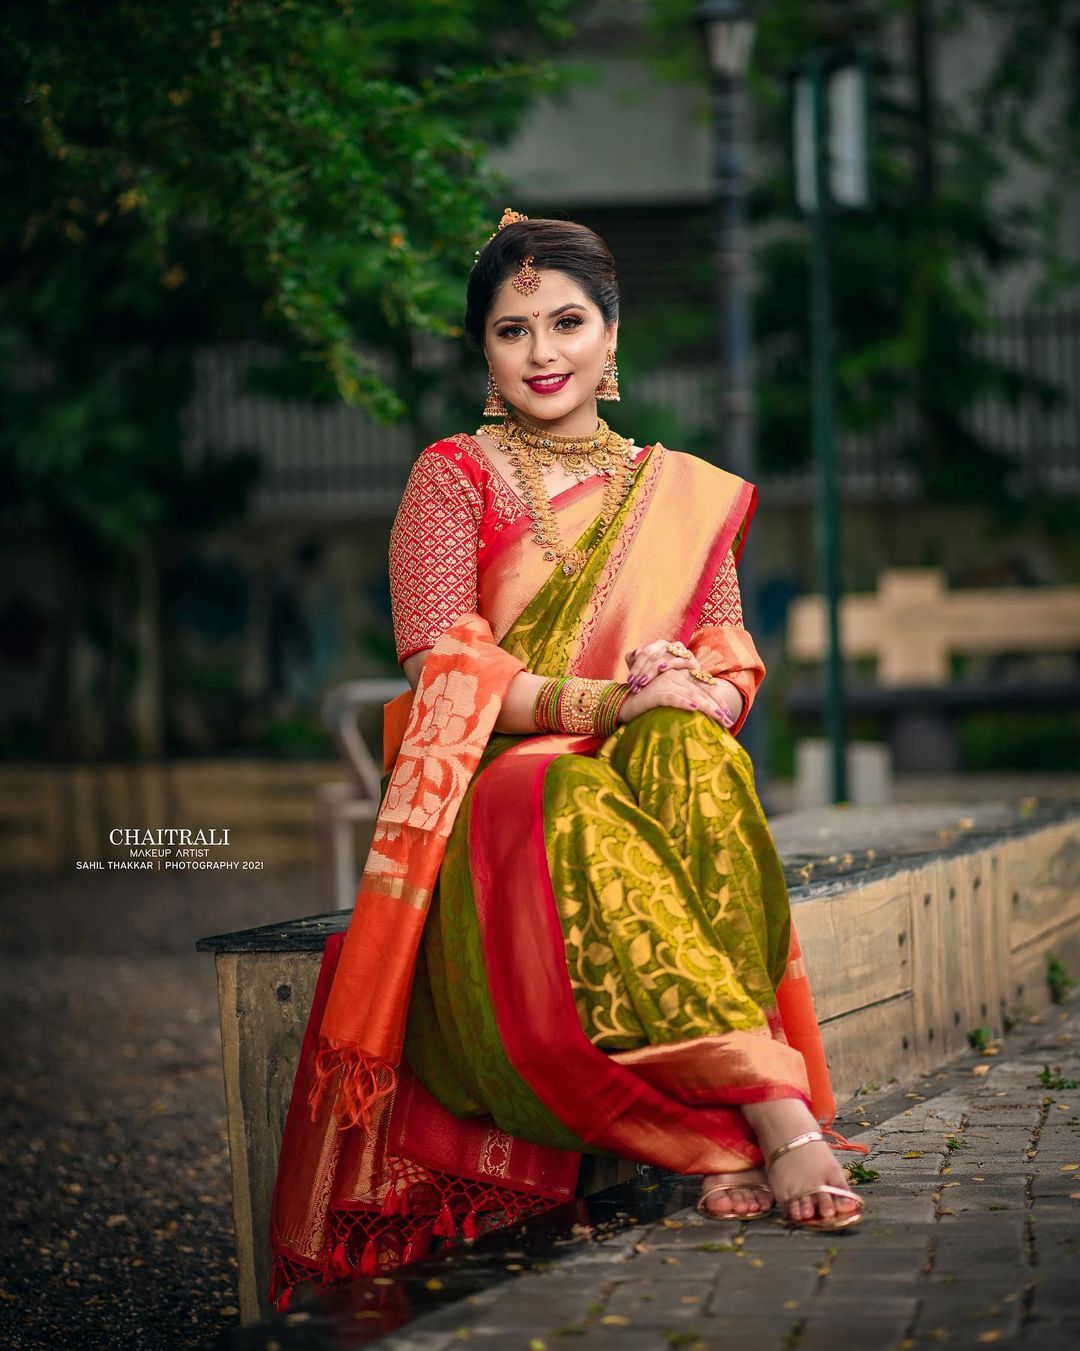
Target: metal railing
(337, 461)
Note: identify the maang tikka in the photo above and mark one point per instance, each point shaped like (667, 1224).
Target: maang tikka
(526, 280)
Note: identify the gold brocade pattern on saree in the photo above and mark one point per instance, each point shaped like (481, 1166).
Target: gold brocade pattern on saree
(669, 891)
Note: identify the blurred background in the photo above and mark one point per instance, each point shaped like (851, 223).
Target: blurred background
(235, 241)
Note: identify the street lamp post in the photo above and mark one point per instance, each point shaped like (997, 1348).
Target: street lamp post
(728, 32)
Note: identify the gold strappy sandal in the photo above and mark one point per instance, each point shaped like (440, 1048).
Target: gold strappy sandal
(734, 1214)
(823, 1224)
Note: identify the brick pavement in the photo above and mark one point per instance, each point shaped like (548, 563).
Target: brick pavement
(971, 1238)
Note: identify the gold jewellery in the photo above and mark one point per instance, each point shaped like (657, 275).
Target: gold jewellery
(530, 452)
(526, 280)
(577, 704)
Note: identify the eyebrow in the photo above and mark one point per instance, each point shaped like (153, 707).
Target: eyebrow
(520, 318)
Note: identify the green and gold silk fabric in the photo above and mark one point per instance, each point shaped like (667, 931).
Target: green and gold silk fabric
(670, 894)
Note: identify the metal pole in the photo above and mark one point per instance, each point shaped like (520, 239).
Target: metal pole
(828, 523)
(735, 432)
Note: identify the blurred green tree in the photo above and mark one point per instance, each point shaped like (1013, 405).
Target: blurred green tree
(913, 278)
(177, 175)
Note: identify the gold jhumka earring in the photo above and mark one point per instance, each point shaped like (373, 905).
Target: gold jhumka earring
(608, 388)
(495, 407)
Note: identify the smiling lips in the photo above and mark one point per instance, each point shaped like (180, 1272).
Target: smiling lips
(547, 384)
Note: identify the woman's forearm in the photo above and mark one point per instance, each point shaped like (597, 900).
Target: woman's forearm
(516, 714)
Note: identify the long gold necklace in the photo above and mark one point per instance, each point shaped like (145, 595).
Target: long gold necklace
(530, 452)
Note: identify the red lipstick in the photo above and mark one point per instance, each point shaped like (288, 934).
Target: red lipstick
(547, 384)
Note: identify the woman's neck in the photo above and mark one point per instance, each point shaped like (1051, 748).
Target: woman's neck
(581, 421)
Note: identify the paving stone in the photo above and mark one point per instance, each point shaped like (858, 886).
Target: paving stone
(547, 1302)
(983, 1196)
(961, 1304)
(906, 1209)
(876, 1331)
(773, 1285)
(877, 1263)
(893, 1142)
(1055, 1293)
(744, 1332)
(657, 1302)
(1042, 1335)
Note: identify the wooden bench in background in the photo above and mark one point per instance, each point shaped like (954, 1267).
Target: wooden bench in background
(918, 924)
(911, 628)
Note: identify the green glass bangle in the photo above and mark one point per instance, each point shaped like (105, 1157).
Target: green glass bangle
(545, 707)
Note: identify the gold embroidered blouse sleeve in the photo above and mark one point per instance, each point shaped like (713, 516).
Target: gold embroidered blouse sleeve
(433, 545)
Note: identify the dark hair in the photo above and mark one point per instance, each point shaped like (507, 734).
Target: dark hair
(557, 245)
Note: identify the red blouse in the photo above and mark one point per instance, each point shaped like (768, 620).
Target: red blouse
(454, 503)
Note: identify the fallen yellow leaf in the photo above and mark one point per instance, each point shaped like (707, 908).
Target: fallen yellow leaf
(913, 1154)
(1069, 1167)
(980, 1069)
(615, 1320)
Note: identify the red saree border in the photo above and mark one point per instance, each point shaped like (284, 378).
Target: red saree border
(605, 1103)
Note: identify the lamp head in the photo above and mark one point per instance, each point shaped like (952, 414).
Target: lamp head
(728, 33)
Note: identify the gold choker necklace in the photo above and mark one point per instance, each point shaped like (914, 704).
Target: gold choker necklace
(531, 452)
(603, 450)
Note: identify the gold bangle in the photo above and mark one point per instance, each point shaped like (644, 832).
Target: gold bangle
(578, 703)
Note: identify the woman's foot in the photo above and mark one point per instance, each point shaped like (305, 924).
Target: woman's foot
(801, 1170)
(744, 1200)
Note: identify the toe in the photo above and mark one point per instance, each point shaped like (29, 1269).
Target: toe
(719, 1205)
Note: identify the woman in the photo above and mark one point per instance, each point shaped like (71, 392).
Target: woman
(573, 932)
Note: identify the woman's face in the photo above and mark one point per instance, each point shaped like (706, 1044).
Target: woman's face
(547, 350)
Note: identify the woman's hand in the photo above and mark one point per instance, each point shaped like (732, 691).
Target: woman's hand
(677, 689)
(648, 661)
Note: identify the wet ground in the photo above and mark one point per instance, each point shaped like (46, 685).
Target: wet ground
(118, 1226)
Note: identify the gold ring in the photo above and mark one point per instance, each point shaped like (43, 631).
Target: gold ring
(697, 673)
(679, 650)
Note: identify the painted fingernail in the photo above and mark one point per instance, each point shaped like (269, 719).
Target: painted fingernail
(662, 666)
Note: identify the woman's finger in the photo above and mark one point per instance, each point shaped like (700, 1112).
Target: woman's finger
(646, 669)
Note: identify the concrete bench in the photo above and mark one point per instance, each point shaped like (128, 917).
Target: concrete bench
(918, 925)
(911, 628)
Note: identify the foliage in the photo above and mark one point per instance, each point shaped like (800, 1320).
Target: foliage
(1058, 979)
(173, 176)
(913, 277)
(1053, 1078)
(176, 172)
